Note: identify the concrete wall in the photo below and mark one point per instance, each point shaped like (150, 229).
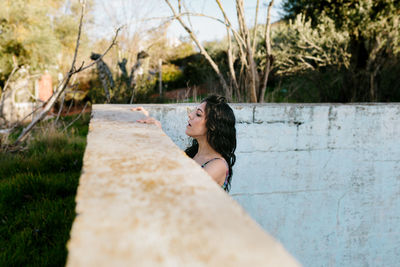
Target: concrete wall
(323, 179)
(142, 202)
(14, 112)
(16, 103)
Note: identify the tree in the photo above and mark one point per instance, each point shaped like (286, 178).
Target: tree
(373, 28)
(249, 79)
(38, 35)
(64, 83)
(139, 34)
(299, 47)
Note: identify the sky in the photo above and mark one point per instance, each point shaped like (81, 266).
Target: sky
(140, 15)
(208, 30)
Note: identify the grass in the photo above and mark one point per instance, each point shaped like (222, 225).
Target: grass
(37, 195)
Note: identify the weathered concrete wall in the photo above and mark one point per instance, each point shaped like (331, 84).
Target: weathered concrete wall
(16, 102)
(323, 179)
(142, 202)
(14, 112)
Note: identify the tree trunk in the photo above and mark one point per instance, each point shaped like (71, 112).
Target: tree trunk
(265, 81)
(251, 73)
(268, 55)
(231, 67)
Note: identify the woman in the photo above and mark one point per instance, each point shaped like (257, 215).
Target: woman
(212, 127)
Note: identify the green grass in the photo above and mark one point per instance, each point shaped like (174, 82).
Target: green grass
(37, 196)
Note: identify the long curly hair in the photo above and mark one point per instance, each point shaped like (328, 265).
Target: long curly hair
(221, 131)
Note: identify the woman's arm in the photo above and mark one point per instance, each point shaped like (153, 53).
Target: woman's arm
(148, 120)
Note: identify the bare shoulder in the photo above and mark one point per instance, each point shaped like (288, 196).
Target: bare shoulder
(217, 170)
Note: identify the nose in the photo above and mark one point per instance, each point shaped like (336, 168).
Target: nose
(190, 113)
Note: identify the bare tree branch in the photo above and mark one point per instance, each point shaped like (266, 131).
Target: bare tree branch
(225, 87)
(252, 74)
(255, 26)
(9, 77)
(187, 11)
(77, 118)
(114, 42)
(63, 84)
(230, 64)
(180, 6)
(61, 108)
(70, 104)
(238, 37)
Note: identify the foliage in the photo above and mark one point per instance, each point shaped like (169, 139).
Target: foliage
(37, 192)
(41, 36)
(96, 93)
(390, 82)
(299, 47)
(172, 76)
(198, 72)
(309, 86)
(374, 31)
(347, 14)
(372, 25)
(216, 47)
(145, 85)
(25, 36)
(183, 49)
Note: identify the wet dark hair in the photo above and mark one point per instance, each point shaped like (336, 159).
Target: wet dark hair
(221, 131)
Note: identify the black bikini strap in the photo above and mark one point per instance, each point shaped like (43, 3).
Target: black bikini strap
(209, 161)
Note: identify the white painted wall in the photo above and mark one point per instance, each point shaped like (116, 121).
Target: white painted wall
(324, 179)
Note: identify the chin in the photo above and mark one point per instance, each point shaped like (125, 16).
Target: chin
(188, 134)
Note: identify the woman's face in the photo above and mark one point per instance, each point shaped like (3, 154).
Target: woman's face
(197, 122)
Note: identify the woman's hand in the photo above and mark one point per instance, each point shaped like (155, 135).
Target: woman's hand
(148, 120)
(151, 120)
(145, 112)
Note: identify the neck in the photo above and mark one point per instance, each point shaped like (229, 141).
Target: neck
(204, 147)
